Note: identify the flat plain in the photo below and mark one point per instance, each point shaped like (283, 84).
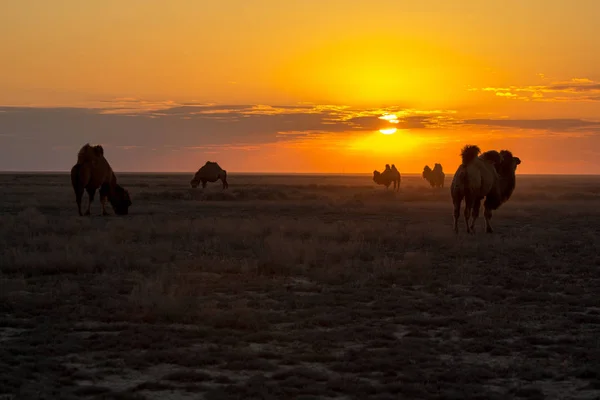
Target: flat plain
(298, 287)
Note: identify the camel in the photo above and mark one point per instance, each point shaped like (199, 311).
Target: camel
(209, 172)
(436, 176)
(491, 176)
(91, 172)
(387, 177)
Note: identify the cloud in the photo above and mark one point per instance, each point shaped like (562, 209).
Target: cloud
(573, 90)
(134, 130)
(567, 127)
(189, 125)
(215, 148)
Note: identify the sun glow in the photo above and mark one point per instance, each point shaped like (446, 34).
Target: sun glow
(391, 118)
(376, 143)
(375, 69)
(388, 131)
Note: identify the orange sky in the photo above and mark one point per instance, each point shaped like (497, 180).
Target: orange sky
(299, 86)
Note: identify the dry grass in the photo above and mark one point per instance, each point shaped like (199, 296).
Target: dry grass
(298, 287)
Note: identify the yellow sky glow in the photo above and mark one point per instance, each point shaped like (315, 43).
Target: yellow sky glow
(300, 86)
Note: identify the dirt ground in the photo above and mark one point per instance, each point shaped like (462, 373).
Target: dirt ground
(298, 287)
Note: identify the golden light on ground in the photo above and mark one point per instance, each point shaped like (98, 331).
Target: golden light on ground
(388, 131)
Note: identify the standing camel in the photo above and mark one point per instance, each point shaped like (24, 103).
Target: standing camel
(387, 177)
(93, 172)
(209, 172)
(491, 176)
(434, 176)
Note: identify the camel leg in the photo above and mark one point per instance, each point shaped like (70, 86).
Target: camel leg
(487, 214)
(78, 197)
(468, 207)
(103, 202)
(475, 213)
(91, 193)
(203, 184)
(104, 191)
(456, 214)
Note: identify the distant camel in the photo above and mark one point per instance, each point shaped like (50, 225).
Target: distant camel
(436, 176)
(209, 172)
(387, 177)
(91, 172)
(491, 175)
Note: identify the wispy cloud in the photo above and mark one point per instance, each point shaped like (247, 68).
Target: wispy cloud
(150, 129)
(565, 127)
(573, 90)
(215, 148)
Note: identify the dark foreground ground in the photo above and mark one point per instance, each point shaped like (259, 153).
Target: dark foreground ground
(298, 287)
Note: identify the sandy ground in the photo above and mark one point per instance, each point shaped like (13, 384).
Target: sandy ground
(298, 287)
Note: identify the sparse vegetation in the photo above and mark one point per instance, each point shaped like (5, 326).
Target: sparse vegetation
(298, 287)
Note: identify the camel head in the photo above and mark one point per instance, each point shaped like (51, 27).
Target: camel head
(195, 180)
(517, 162)
(426, 172)
(376, 176)
(120, 200)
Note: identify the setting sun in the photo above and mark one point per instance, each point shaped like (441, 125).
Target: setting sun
(388, 131)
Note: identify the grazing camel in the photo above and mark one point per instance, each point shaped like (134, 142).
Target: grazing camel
(435, 176)
(387, 177)
(491, 176)
(209, 172)
(91, 172)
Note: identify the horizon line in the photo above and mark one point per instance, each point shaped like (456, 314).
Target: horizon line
(8, 172)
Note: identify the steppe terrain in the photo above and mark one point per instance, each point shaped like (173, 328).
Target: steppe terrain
(288, 287)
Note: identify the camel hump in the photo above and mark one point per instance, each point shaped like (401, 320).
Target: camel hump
(492, 156)
(469, 153)
(89, 153)
(209, 171)
(506, 155)
(212, 166)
